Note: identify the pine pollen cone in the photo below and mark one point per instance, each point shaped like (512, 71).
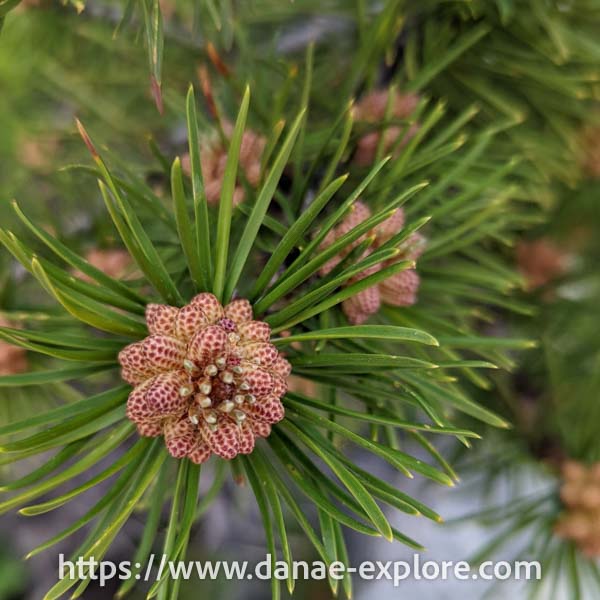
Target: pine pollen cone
(206, 378)
(213, 159)
(113, 262)
(399, 289)
(580, 495)
(540, 261)
(373, 109)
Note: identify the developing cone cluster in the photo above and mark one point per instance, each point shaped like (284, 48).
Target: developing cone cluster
(206, 378)
(580, 493)
(373, 109)
(213, 158)
(399, 289)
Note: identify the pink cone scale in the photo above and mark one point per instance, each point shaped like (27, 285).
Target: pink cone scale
(206, 378)
(399, 289)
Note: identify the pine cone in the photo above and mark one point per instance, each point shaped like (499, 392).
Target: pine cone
(206, 378)
(213, 158)
(372, 109)
(398, 290)
(580, 494)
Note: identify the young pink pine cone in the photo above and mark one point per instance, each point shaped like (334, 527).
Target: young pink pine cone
(13, 359)
(213, 158)
(399, 289)
(372, 109)
(206, 378)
